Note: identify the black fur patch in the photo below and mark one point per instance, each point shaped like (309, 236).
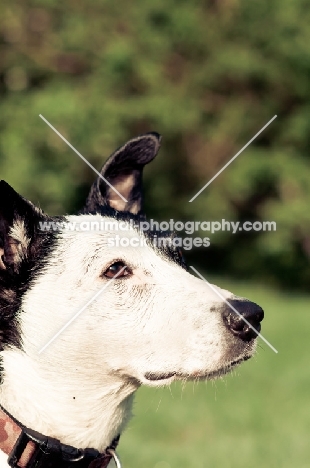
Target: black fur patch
(13, 285)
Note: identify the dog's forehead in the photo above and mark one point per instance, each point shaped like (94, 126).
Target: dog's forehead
(97, 228)
(95, 237)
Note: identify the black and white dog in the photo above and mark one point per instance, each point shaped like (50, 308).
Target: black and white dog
(153, 323)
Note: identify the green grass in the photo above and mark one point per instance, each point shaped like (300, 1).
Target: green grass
(257, 417)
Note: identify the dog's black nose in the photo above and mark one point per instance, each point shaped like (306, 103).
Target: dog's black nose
(240, 324)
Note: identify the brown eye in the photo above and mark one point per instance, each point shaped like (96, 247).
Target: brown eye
(117, 270)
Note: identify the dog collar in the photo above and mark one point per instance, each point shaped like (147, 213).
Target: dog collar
(30, 449)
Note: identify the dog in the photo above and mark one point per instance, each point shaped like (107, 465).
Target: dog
(152, 324)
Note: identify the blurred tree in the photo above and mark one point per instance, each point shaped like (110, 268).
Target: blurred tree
(207, 75)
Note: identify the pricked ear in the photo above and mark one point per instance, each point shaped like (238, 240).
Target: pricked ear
(120, 184)
(18, 222)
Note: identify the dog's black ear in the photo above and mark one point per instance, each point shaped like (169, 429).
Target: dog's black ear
(18, 223)
(120, 184)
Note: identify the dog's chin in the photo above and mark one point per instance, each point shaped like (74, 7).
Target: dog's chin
(165, 378)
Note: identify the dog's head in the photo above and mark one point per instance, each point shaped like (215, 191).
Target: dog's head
(140, 316)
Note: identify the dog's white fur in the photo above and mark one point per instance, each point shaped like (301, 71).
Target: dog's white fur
(160, 320)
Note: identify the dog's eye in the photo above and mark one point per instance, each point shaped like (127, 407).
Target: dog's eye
(117, 270)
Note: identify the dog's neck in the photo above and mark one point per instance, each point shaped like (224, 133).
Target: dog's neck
(70, 406)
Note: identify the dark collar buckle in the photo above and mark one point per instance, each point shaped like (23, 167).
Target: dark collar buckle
(49, 452)
(18, 449)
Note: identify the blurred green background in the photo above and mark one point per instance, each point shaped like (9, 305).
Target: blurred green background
(207, 75)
